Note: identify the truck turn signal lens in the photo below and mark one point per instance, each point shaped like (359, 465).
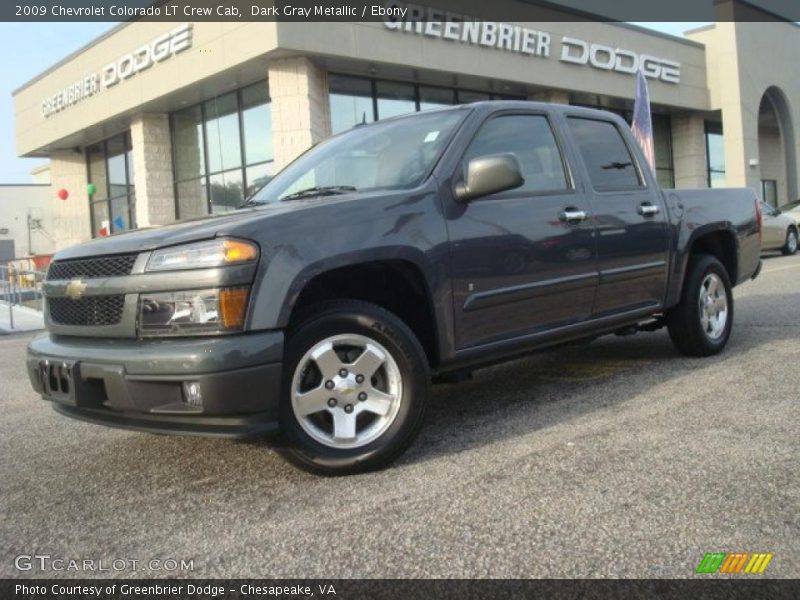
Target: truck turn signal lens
(236, 251)
(232, 307)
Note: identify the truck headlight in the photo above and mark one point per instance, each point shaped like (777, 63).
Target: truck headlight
(203, 255)
(193, 312)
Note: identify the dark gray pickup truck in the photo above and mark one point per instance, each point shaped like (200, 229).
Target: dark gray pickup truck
(394, 254)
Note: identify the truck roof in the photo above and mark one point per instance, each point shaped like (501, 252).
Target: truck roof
(495, 105)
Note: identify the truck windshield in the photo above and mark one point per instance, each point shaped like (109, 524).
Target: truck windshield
(394, 154)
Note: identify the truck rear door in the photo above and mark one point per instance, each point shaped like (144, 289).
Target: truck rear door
(629, 217)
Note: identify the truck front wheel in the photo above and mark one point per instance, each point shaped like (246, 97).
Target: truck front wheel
(700, 324)
(356, 386)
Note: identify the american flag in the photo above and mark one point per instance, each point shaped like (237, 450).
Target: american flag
(642, 125)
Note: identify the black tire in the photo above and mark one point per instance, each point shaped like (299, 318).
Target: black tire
(363, 319)
(684, 321)
(790, 247)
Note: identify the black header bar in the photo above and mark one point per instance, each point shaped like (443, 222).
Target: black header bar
(376, 10)
(402, 589)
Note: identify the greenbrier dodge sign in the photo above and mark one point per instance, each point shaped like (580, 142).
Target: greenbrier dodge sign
(523, 40)
(144, 57)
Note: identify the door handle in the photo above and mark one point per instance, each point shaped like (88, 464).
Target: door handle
(648, 210)
(572, 215)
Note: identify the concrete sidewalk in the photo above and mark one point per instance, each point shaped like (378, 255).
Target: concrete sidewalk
(25, 319)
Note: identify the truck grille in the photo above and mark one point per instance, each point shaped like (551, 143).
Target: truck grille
(92, 268)
(97, 311)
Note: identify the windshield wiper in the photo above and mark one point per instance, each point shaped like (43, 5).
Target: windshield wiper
(326, 190)
(251, 201)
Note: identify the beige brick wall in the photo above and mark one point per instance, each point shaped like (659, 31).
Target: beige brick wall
(689, 151)
(71, 218)
(152, 167)
(298, 92)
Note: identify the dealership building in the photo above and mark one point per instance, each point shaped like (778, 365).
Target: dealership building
(161, 121)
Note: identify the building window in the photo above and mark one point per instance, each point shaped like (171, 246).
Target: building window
(769, 192)
(715, 155)
(355, 100)
(394, 99)
(435, 97)
(222, 151)
(109, 166)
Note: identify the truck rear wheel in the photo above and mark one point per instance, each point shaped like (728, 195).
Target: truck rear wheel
(700, 325)
(356, 385)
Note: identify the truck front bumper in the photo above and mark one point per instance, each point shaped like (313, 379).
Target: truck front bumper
(227, 386)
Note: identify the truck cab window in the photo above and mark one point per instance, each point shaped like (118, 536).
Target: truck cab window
(530, 138)
(608, 160)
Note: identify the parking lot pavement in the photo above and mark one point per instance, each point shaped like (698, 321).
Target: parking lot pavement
(616, 458)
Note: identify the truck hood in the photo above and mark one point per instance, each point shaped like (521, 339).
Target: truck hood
(236, 223)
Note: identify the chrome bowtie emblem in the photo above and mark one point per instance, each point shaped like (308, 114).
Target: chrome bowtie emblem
(76, 288)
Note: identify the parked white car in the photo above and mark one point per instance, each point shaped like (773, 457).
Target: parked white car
(793, 210)
(780, 230)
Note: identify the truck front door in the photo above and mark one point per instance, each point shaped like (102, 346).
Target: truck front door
(523, 260)
(630, 220)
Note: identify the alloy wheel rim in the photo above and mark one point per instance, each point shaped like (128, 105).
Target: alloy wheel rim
(346, 391)
(713, 304)
(792, 241)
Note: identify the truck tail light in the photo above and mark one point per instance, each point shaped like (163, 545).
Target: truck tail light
(759, 220)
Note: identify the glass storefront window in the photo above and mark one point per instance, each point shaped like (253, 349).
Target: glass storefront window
(109, 166)
(350, 101)
(465, 97)
(117, 177)
(222, 129)
(226, 190)
(355, 99)
(435, 97)
(222, 151)
(100, 221)
(715, 154)
(120, 215)
(256, 124)
(258, 176)
(394, 99)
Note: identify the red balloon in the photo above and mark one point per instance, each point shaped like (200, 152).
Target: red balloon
(63, 194)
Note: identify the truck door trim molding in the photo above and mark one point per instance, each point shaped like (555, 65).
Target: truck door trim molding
(633, 272)
(526, 291)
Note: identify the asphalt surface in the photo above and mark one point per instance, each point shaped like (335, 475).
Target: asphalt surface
(614, 459)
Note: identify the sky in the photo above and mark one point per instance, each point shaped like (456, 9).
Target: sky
(30, 48)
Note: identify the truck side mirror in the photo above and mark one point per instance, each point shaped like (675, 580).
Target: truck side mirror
(489, 174)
